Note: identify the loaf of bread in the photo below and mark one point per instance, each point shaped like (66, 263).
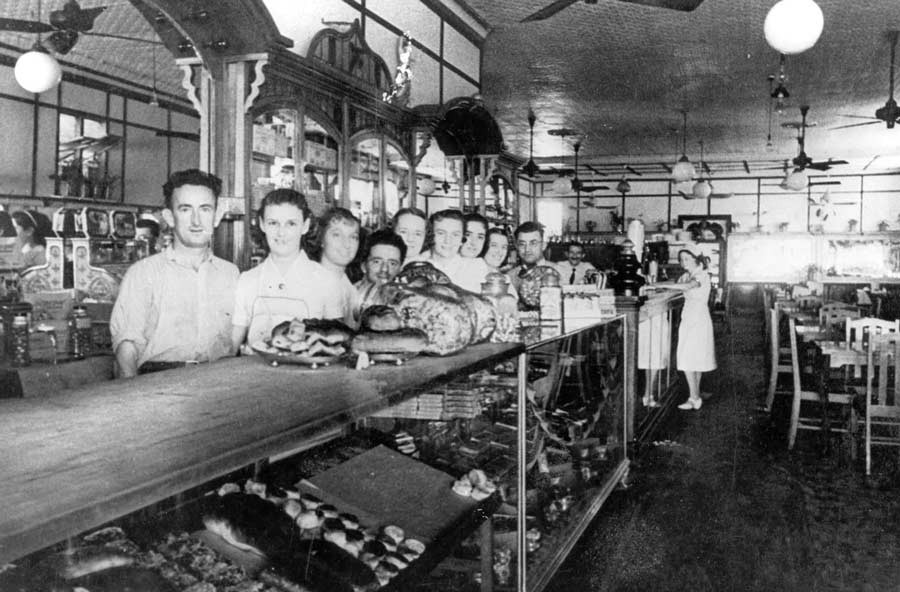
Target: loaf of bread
(380, 318)
(401, 341)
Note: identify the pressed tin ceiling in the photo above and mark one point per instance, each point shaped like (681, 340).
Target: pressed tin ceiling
(620, 74)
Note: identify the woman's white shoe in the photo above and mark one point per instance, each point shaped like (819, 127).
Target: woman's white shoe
(691, 403)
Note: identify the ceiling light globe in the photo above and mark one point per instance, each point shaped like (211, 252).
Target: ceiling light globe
(426, 186)
(562, 185)
(702, 189)
(793, 26)
(37, 71)
(796, 181)
(683, 171)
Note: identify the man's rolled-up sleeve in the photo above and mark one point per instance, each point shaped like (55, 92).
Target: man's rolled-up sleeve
(131, 310)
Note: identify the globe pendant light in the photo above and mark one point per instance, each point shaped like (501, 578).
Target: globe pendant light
(793, 26)
(683, 170)
(426, 186)
(562, 185)
(702, 189)
(37, 71)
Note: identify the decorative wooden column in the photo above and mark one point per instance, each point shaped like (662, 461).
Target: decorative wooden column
(223, 101)
(630, 307)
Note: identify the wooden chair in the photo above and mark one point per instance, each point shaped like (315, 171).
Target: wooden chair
(810, 394)
(858, 332)
(809, 302)
(833, 317)
(779, 356)
(882, 404)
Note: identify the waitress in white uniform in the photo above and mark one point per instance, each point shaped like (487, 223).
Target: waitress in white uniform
(696, 346)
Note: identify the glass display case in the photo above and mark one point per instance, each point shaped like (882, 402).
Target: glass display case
(538, 433)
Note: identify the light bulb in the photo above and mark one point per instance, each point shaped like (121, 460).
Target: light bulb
(37, 71)
(793, 26)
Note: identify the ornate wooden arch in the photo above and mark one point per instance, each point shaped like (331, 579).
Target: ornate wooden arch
(350, 55)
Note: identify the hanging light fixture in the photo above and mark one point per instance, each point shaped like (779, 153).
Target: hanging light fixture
(426, 186)
(702, 189)
(562, 184)
(37, 71)
(683, 170)
(793, 26)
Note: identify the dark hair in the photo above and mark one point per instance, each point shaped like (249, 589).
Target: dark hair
(477, 218)
(499, 232)
(151, 224)
(526, 227)
(574, 244)
(284, 196)
(448, 214)
(404, 211)
(190, 177)
(385, 236)
(317, 238)
(36, 221)
(701, 259)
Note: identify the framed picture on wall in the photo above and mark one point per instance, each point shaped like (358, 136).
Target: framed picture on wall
(713, 227)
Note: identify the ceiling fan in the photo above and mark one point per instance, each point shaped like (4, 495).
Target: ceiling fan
(530, 169)
(64, 27)
(703, 188)
(560, 5)
(577, 184)
(802, 161)
(890, 113)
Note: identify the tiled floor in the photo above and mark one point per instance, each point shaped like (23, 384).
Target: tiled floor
(718, 504)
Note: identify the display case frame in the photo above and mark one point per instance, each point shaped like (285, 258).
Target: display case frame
(180, 430)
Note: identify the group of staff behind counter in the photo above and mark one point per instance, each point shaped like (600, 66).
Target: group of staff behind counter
(184, 305)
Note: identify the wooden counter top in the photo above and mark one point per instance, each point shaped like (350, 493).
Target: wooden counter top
(78, 460)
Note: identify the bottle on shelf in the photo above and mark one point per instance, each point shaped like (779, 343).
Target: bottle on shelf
(20, 352)
(80, 333)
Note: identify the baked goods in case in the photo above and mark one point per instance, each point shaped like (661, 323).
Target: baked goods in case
(400, 341)
(311, 338)
(380, 317)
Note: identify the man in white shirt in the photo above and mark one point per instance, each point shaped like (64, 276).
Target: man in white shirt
(176, 307)
(529, 237)
(574, 269)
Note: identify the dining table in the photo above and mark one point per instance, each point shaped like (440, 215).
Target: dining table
(831, 355)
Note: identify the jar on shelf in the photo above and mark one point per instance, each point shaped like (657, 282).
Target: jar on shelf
(80, 333)
(8, 312)
(496, 289)
(20, 352)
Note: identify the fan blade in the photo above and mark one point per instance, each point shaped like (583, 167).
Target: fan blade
(73, 17)
(7, 24)
(548, 11)
(859, 116)
(720, 195)
(592, 188)
(683, 5)
(824, 166)
(180, 135)
(856, 124)
(824, 183)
